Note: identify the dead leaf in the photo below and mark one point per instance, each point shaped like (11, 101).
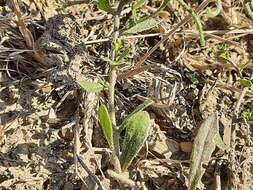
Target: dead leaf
(37, 54)
(186, 146)
(161, 144)
(203, 148)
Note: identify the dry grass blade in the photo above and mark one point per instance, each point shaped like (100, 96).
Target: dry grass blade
(37, 54)
(203, 148)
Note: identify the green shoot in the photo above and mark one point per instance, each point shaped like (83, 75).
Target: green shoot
(196, 20)
(216, 12)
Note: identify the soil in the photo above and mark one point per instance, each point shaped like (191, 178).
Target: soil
(45, 116)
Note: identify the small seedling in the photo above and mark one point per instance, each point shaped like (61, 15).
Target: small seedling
(136, 124)
(224, 52)
(248, 115)
(192, 77)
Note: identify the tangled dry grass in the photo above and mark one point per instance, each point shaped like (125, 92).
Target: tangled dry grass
(45, 119)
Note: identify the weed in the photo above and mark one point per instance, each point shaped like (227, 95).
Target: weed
(136, 124)
(248, 115)
(224, 51)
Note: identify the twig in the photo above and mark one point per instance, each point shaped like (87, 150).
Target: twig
(229, 87)
(94, 178)
(76, 139)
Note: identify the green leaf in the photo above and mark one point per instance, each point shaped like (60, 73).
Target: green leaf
(248, 9)
(138, 4)
(245, 83)
(192, 77)
(90, 86)
(123, 55)
(203, 148)
(113, 63)
(250, 120)
(219, 142)
(137, 129)
(105, 121)
(196, 19)
(117, 46)
(142, 26)
(140, 108)
(216, 12)
(224, 51)
(248, 115)
(105, 5)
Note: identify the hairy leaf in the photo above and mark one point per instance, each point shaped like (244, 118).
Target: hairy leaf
(142, 26)
(203, 148)
(141, 107)
(90, 86)
(137, 129)
(105, 5)
(106, 124)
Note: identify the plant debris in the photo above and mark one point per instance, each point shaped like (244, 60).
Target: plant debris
(76, 76)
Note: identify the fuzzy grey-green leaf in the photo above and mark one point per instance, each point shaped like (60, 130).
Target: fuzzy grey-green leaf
(90, 86)
(142, 26)
(105, 5)
(137, 129)
(203, 148)
(106, 124)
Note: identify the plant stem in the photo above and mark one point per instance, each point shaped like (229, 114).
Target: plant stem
(112, 82)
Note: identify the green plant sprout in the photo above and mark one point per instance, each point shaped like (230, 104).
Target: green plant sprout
(137, 124)
(216, 12)
(248, 115)
(224, 51)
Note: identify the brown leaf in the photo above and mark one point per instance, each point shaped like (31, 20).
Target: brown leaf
(186, 146)
(203, 148)
(37, 54)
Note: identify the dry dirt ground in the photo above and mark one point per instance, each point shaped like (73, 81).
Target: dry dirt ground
(42, 106)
